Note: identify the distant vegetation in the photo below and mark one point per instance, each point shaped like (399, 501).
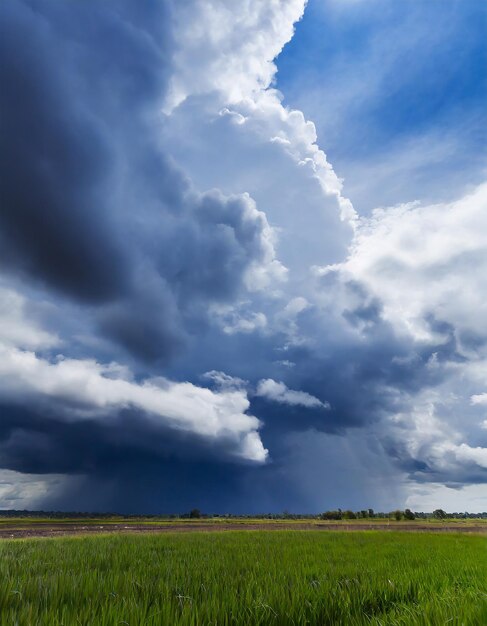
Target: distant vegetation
(279, 578)
(195, 513)
(399, 515)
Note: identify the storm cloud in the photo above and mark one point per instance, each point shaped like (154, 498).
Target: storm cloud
(192, 312)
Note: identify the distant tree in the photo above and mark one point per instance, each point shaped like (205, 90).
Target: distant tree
(439, 514)
(408, 514)
(332, 515)
(370, 512)
(195, 513)
(349, 515)
(397, 515)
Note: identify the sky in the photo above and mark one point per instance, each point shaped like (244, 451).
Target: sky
(243, 255)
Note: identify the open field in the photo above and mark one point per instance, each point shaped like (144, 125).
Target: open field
(11, 528)
(245, 578)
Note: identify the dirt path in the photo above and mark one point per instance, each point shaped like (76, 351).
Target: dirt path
(46, 529)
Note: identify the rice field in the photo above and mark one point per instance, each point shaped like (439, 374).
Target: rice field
(245, 578)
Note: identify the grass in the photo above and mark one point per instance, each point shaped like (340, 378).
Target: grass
(245, 578)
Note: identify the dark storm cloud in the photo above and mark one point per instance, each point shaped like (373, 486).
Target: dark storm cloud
(128, 465)
(96, 217)
(91, 206)
(37, 440)
(58, 154)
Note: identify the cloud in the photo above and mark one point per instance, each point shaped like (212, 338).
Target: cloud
(278, 392)
(147, 268)
(166, 216)
(227, 104)
(235, 50)
(21, 491)
(86, 389)
(58, 228)
(110, 227)
(224, 381)
(421, 269)
(229, 47)
(104, 205)
(435, 255)
(16, 329)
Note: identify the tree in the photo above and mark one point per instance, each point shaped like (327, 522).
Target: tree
(408, 514)
(371, 512)
(397, 515)
(349, 515)
(332, 515)
(439, 514)
(195, 513)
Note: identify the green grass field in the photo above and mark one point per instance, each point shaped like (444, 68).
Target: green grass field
(245, 578)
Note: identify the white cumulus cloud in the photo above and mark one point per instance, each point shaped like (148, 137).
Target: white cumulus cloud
(278, 392)
(87, 389)
(424, 261)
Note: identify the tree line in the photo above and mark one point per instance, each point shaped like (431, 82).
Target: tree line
(195, 513)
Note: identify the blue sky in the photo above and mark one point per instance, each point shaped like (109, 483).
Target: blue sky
(195, 310)
(394, 81)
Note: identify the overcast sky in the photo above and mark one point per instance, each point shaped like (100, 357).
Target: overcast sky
(243, 255)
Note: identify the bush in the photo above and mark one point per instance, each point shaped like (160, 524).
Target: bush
(332, 515)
